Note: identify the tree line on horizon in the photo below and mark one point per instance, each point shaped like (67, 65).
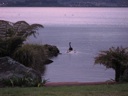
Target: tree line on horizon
(63, 3)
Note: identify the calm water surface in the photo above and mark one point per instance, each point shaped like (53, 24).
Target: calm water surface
(89, 29)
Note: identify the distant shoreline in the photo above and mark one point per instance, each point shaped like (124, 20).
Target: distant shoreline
(72, 6)
(64, 3)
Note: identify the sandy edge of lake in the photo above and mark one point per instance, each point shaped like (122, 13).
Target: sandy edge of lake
(78, 83)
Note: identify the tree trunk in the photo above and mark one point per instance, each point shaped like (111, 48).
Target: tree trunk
(117, 73)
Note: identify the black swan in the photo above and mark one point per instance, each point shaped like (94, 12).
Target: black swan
(70, 48)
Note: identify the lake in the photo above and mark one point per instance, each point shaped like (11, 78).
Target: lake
(89, 29)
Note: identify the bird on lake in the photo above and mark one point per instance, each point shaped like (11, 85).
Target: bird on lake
(70, 47)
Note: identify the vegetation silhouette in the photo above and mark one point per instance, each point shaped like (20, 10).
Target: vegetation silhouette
(115, 58)
(13, 35)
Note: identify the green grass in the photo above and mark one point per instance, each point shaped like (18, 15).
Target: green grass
(90, 90)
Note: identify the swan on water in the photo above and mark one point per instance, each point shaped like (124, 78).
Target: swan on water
(70, 50)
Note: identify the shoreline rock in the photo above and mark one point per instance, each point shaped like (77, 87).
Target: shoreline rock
(13, 73)
(51, 51)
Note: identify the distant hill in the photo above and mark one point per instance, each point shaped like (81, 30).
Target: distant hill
(63, 3)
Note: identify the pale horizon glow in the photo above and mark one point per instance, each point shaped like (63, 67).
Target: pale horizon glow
(66, 16)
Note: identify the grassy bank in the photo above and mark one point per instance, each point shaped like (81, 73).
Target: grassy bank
(89, 90)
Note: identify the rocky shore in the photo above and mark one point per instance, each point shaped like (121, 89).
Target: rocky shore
(13, 73)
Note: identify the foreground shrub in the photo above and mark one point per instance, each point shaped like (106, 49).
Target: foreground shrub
(12, 35)
(31, 56)
(35, 56)
(10, 45)
(21, 82)
(116, 58)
